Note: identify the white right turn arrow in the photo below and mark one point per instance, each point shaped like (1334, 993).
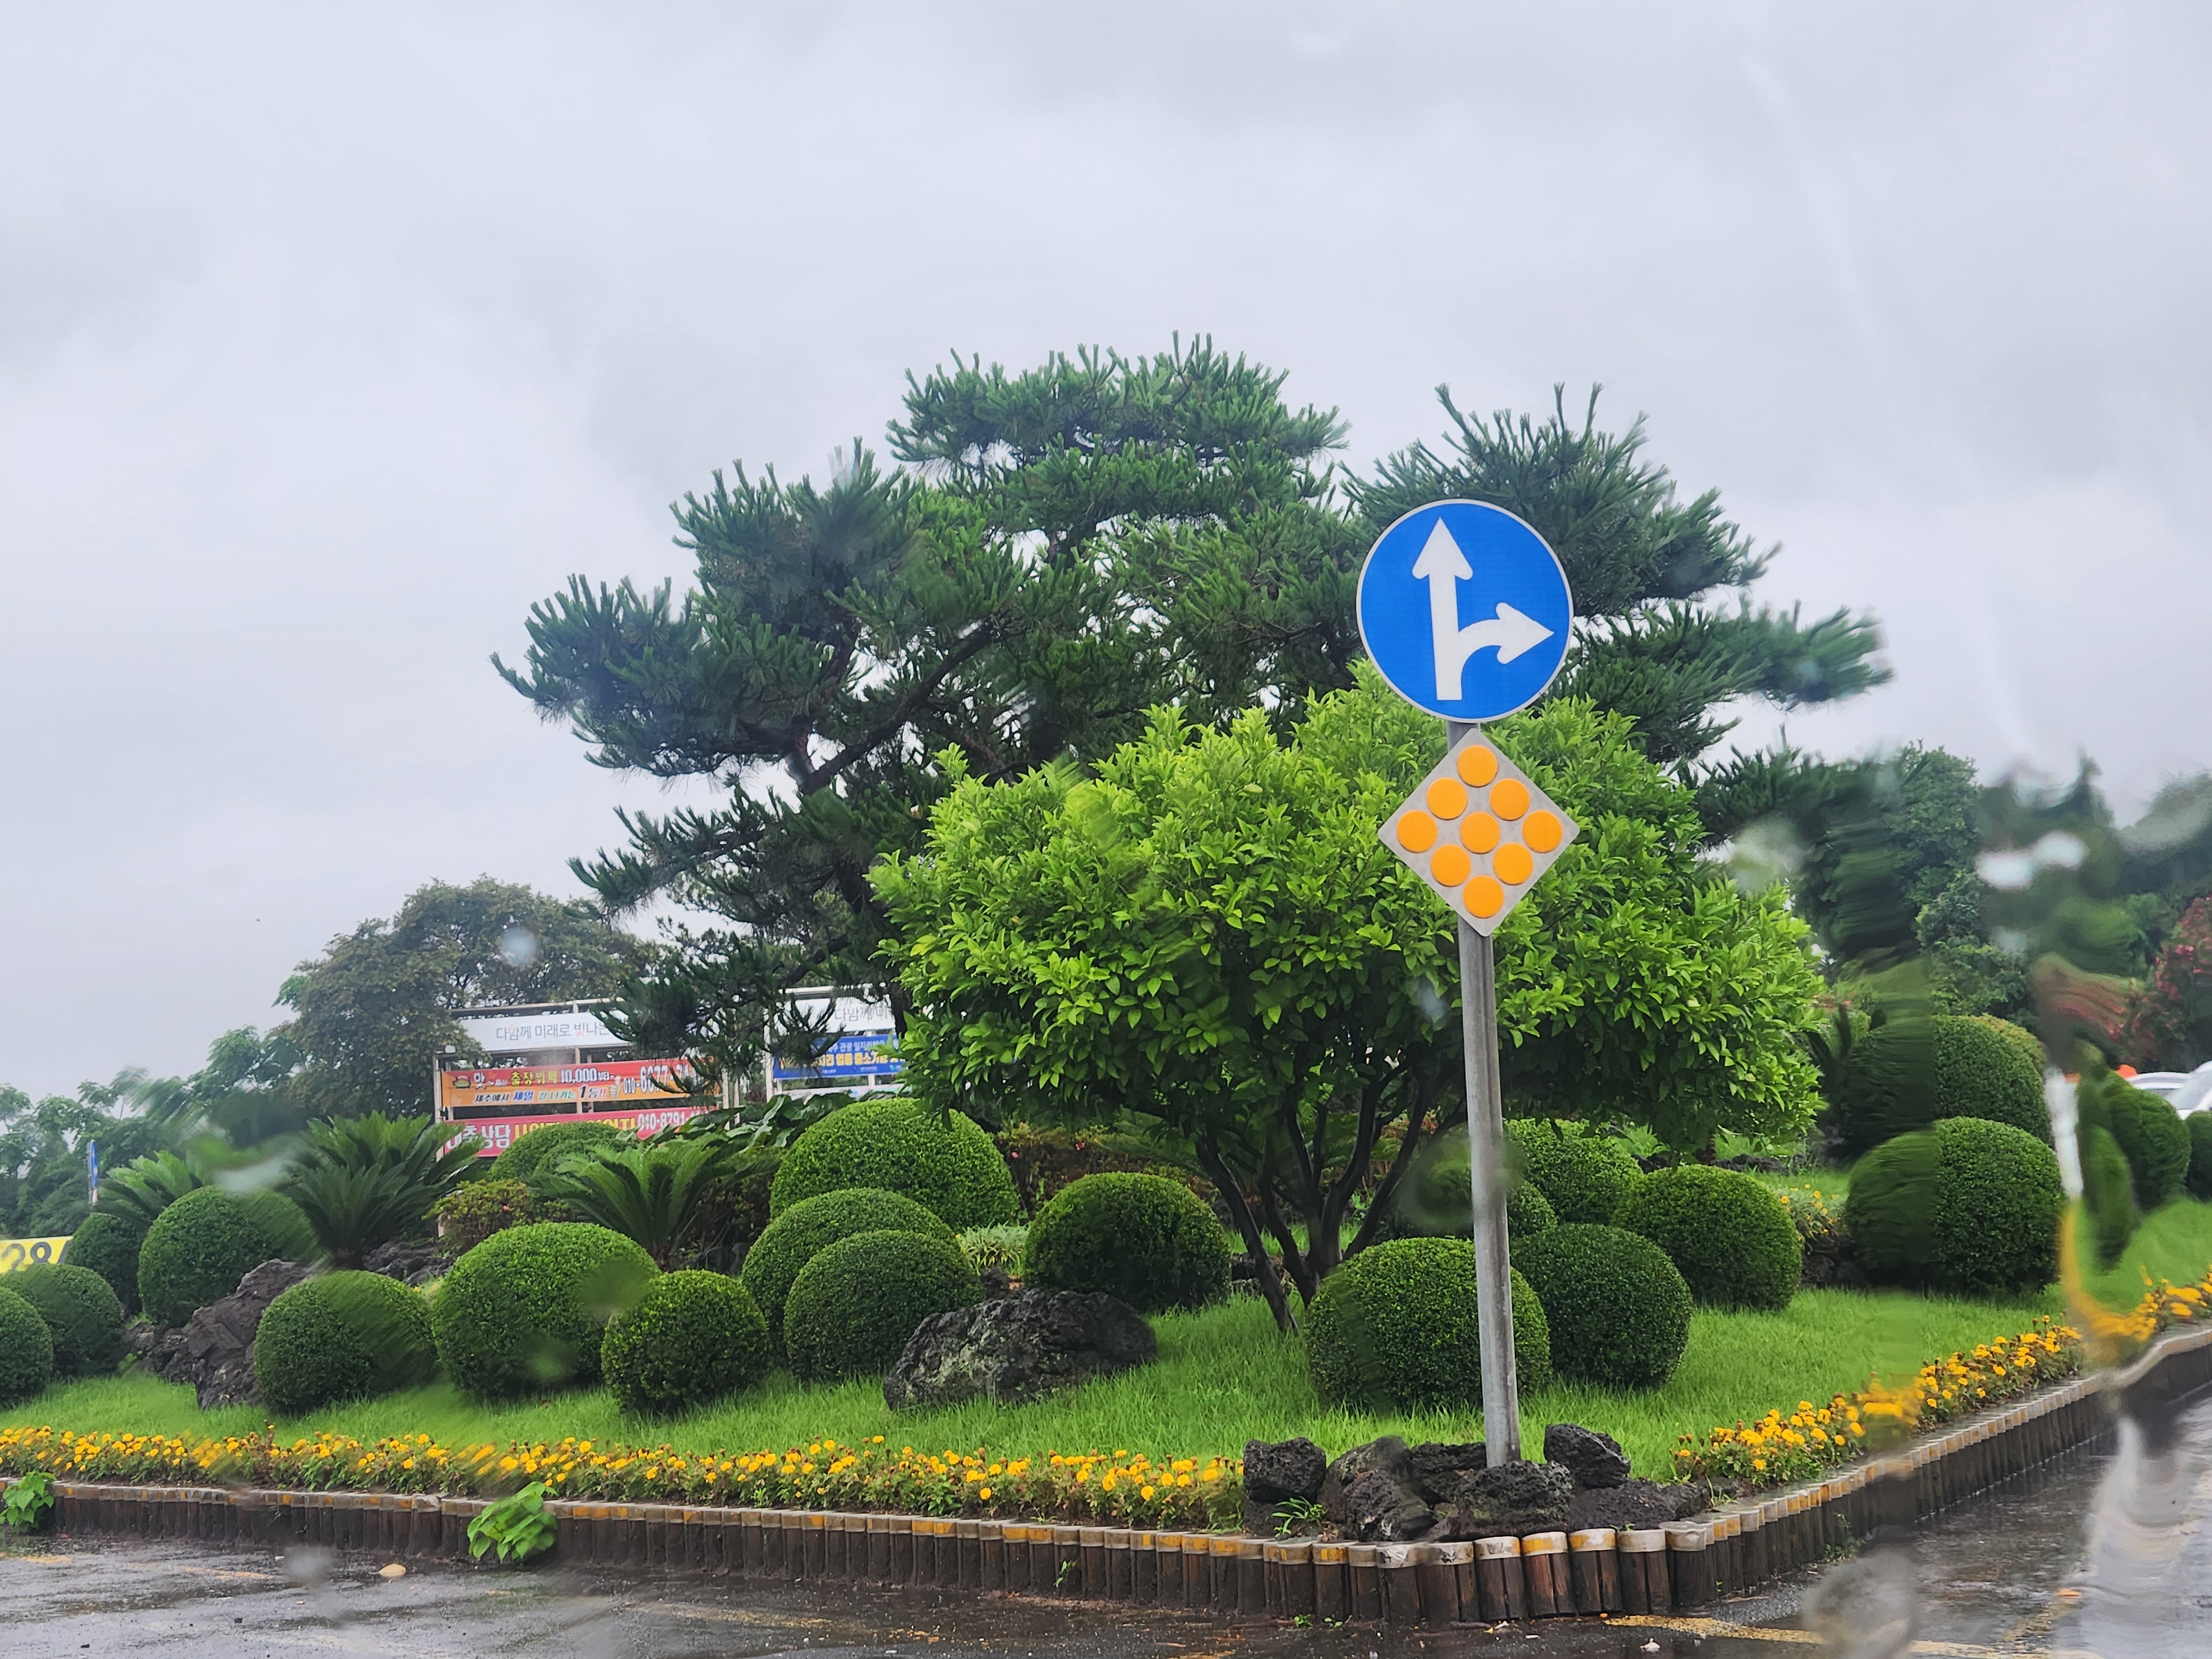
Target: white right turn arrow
(1443, 566)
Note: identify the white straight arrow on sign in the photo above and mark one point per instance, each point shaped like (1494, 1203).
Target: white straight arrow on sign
(1443, 566)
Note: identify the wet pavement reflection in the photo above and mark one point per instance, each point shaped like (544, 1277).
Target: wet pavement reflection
(2102, 1553)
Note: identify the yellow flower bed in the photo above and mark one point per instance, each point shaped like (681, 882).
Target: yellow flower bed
(1123, 1486)
(1780, 1448)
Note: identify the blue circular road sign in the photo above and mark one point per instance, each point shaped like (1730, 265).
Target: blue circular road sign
(1466, 611)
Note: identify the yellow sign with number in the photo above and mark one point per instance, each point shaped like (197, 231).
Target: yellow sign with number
(29, 1252)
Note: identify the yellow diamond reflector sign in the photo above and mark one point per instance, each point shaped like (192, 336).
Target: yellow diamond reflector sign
(1478, 832)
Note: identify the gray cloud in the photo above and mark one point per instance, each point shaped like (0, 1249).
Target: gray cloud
(330, 340)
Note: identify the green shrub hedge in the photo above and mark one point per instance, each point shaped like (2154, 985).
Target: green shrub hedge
(1730, 1237)
(1583, 1175)
(2153, 1136)
(473, 1211)
(533, 1154)
(27, 1349)
(1394, 1329)
(84, 1315)
(2200, 1154)
(1969, 1205)
(108, 1245)
(1436, 1199)
(341, 1336)
(201, 1245)
(692, 1338)
(525, 1311)
(852, 1307)
(947, 1165)
(2108, 1194)
(1148, 1240)
(1904, 1075)
(1619, 1311)
(791, 1240)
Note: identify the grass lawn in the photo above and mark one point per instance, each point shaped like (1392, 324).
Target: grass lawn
(1223, 1376)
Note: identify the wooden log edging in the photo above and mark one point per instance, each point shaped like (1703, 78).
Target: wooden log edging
(1726, 1552)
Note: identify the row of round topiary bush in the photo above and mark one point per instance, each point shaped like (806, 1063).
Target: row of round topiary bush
(1584, 1175)
(1969, 1206)
(945, 1164)
(27, 1349)
(106, 1244)
(1726, 1232)
(82, 1315)
(1150, 1241)
(787, 1243)
(199, 1248)
(1912, 1072)
(1395, 1328)
(341, 1336)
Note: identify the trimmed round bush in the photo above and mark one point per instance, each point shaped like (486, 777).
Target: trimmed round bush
(2152, 1135)
(946, 1164)
(791, 1241)
(1969, 1205)
(27, 1349)
(83, 1314)
(533, 1155)
(2199, 1125)
(1909, 1073)
(108, 1245)
(1148, 1240)
(201, 1245)
(692, 1338)
(1583, 1176)
(1436, 1199)
(2025, 1041)
(1618, 1309)
(341, 1336)
(526, 1310)
(852, 1307)
(1728, 1235)
(1395, 1328)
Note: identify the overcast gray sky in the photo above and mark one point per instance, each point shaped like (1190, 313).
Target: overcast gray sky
(332, 336)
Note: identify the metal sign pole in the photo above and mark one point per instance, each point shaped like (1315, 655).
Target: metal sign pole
(1486, 1150)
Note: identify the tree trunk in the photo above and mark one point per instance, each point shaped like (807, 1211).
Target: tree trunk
(1263, 1267)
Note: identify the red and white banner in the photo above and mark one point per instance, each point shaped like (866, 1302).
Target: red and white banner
(498, 1133)
(594, 1086)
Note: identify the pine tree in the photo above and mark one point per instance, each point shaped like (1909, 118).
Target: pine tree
(1653, 639)
(1068, 548)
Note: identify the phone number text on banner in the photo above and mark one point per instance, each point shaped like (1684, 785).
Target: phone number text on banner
(498, 1133)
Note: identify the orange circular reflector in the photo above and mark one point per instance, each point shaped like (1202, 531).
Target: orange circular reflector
(1543, 831)
(1509, 799)
(1477, 832)
(1446, 799)
(1417, 831)
(1476, 766)
(1450, 865)
(1485, 898)
(1513, 863)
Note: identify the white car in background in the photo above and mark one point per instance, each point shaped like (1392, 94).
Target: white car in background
(2186, 1091)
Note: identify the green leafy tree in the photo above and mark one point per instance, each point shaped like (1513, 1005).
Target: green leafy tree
(1657, 638)
(45, 1189)
(372, 1013)
(1064, 549)
(1208, 934)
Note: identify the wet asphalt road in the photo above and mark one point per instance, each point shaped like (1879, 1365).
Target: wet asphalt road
(2103, 1554)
